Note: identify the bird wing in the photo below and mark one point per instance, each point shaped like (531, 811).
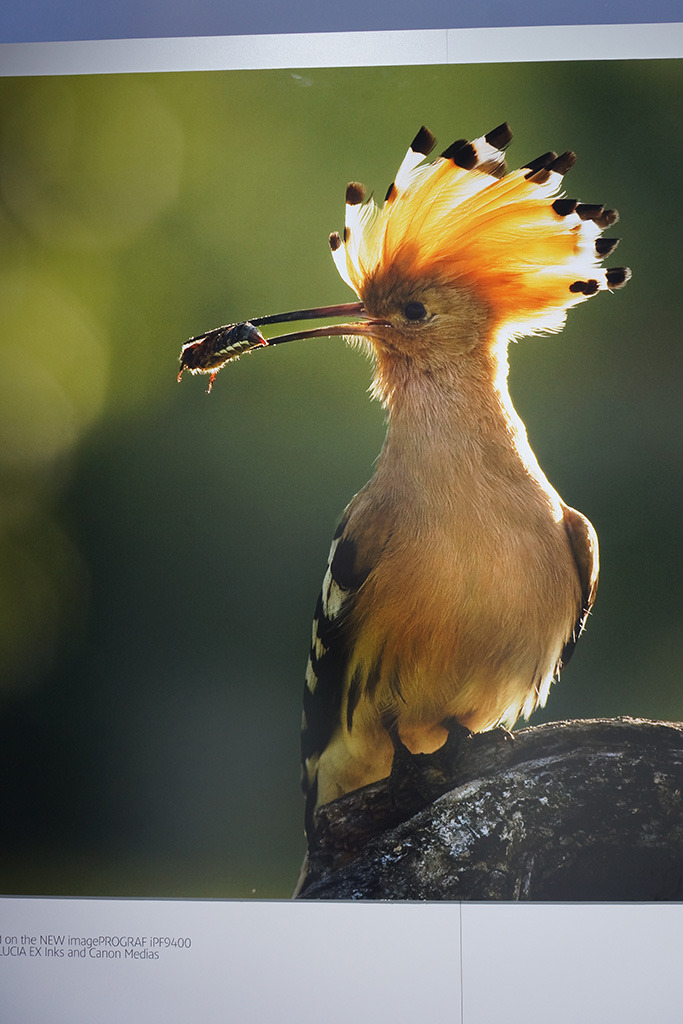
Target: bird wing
(583, 541)
(356, 548)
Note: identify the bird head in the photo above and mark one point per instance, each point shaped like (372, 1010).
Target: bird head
(461, 254)
(460, 238)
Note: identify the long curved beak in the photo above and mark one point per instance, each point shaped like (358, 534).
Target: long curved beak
(208, 353)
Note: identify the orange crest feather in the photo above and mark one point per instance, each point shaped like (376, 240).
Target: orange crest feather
(466, 222)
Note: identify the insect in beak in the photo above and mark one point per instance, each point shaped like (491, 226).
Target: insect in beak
(208, 353)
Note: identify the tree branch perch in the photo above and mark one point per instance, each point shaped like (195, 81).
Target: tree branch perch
(583, 810)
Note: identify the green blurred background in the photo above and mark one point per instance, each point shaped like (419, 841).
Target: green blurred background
(162, 549)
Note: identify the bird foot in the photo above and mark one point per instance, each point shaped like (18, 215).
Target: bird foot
(493, 739)
(447, 759)
(406, 780)
(420, 778)
(409, 782)
(504, 734)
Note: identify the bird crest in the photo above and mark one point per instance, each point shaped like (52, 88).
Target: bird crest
(463, 220)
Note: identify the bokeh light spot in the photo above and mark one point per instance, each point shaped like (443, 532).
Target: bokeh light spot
(98, 166)
(54, 370)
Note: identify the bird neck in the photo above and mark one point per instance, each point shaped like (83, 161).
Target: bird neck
(457, 425)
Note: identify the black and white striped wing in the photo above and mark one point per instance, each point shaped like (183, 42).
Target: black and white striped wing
(354, 552)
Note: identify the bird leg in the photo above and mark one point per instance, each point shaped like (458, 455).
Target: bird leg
(407, 783)
(420, 778)
(403, 757)
(448, 757)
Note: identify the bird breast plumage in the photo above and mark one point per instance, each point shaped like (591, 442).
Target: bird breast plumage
(465, 615)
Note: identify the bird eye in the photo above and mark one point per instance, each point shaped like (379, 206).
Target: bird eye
(414, 311)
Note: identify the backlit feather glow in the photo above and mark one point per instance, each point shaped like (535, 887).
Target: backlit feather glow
(464, 221)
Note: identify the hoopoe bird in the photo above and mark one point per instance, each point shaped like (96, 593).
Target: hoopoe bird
(458, 580)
